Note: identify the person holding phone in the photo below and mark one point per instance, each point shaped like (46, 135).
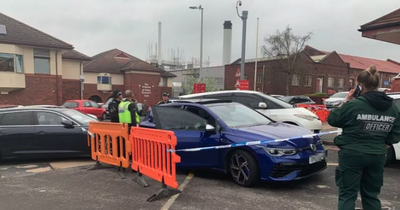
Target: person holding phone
(370, 123)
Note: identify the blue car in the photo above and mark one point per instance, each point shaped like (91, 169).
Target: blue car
(210, 122)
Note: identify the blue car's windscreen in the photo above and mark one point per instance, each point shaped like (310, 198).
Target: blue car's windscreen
(238, 115)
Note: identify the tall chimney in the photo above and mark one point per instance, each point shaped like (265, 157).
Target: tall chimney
(159, 44)
(227, 43)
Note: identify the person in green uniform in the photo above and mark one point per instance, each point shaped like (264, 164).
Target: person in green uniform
(127, 110)
(370, 124)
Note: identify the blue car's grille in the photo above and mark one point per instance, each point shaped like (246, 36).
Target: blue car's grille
(282, 169)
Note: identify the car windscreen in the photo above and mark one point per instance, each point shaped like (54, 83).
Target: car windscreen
(108, 102)
(82, 119)
(279, 101)
(237, 115)
(339, 95)
(285, 98)
(70, 104)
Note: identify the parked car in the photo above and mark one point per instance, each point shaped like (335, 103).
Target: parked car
(297, 100)
(43, 132)
(209, 122)
(269, 106)
(386, 90)
(87, 107)
(277, 96)
(335, 100)
(393, 152)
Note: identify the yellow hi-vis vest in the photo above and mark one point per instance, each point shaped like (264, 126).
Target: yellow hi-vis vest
(124, 113)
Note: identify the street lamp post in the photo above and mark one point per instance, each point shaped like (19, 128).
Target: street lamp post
(244, 19)
(201, 35)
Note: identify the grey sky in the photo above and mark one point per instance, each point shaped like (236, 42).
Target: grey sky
(93, 26)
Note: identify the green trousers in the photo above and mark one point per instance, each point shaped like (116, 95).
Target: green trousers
(359, 172)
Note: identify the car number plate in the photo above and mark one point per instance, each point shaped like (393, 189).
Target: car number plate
(316, 158)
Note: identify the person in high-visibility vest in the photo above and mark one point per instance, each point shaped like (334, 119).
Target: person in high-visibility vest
(127, 110)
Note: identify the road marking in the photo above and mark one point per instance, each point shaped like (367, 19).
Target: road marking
(171, 201)
(37, 170)
(332, 164)
(26, 166)
(70, 164)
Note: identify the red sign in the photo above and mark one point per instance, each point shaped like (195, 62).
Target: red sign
(199, 88)
(244, 84)
(237, 75)
(331, 92)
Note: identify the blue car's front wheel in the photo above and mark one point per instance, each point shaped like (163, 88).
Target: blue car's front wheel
(244, 168)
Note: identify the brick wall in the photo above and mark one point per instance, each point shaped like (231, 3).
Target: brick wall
(71, 89)
(274, 83)
(39, 89)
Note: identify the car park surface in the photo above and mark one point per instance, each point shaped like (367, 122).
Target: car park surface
(67, 188)
(208, 122)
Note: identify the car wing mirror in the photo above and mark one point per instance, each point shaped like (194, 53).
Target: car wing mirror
(67, 123)
(262, 105)
(210, 128)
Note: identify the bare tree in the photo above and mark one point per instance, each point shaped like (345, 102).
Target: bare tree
(284, 48)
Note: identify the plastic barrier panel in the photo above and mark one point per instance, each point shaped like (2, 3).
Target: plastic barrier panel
(150, 157)
(109, 143)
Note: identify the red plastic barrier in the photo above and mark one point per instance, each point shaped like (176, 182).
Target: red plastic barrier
(151, 158)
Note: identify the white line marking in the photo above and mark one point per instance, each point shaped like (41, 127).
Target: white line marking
(333, 164)
(171, 201)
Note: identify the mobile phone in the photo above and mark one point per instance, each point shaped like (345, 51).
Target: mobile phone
(357, 91)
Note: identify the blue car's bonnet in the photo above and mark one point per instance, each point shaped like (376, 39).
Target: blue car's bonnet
(277, 131)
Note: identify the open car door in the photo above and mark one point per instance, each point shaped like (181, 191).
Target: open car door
(190, 130)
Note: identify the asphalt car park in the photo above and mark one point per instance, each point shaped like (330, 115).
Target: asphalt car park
(69, 185)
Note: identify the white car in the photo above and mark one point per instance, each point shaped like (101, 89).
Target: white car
(394, 152)
(335, 100)
(269, 106)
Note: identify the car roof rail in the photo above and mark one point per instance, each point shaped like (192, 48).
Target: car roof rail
(202, 101)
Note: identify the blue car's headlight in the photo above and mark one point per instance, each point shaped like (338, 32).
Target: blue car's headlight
(278, 151)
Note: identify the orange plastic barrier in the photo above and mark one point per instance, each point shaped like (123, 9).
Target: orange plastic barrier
(320, 110)
(109, 143)
(151, 158)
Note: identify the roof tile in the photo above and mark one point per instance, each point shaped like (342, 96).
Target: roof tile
(20, 33)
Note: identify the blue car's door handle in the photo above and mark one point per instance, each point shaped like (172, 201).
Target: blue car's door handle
(223, 139)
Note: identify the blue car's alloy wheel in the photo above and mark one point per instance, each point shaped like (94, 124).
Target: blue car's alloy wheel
(244, 168)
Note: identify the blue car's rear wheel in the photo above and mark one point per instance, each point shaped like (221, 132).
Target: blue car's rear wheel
(244, 168)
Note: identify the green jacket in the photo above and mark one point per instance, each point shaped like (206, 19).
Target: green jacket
(369, 122)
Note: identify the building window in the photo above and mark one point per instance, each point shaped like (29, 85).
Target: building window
(11, 63)
(295, 80)
(165, 81)
(341, 83)
(331, 82)
(42, 61)
(6, 62)
(19, 64)
(246, 77)
(260, 78)
(106, 80)
(308, 81)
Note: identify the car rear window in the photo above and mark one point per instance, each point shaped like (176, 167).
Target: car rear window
(71, 104)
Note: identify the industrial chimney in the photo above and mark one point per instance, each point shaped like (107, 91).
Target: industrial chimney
(227, 43)
(159, 44)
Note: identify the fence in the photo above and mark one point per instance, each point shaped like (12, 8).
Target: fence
(150, 157)
(109, 144)
(320, 110)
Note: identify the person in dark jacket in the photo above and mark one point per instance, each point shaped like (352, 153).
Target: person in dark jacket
(370, 124)
(113, 106)
(165, 99)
